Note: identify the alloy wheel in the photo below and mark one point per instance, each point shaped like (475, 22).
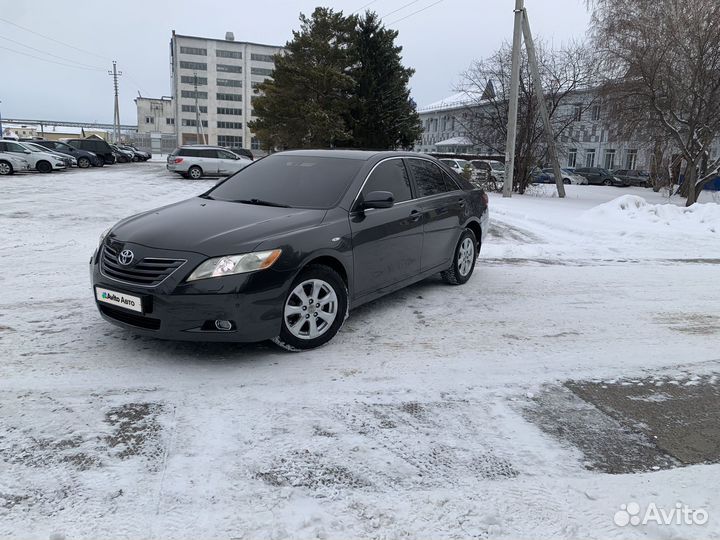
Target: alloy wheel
(311, 309)
(466, 257)
(5, 168)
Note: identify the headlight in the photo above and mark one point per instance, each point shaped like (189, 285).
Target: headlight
(235, 264)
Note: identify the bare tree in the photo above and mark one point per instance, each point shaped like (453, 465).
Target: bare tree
(662, 63)
(565, 73)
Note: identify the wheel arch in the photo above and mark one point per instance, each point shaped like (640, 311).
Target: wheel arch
(330, 262)
(476, 228)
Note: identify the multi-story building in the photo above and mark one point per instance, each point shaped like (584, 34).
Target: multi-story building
(213, 85)
(450, 126)
(156, 125)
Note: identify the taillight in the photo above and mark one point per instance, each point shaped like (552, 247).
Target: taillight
(485, 198)
(178, 160)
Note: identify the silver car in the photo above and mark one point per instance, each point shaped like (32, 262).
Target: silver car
(196, 161)
(10, 163)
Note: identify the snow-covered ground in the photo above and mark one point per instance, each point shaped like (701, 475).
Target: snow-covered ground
(410, 423)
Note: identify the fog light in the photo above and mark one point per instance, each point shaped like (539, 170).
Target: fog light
(223, 325)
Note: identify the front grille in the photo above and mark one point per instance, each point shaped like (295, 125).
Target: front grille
(148, 272)
(131, 318)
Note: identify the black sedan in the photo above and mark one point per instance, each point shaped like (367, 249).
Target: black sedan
(284, 248)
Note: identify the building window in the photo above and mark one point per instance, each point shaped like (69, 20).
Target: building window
(193, 50)
(149, 120)
(170, 121)
(199, 66)
(190, 79)
(631, 161)
(590, 158)
(610, 159)
(261, 71)
(229, 125)
(191, 94)
(192, 122)
(254, 144)
(229, 97)
(229, 82)
(262, 57)
(191, 108)
(230, 141)
(577, 112)
(572, 158)
(228, 54)
(595, 113)
(229, 110)
(226, 68)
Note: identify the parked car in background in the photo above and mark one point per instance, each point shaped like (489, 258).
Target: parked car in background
(68, 160)
(547, 176)
(458, 165)
(122, 156)
(244, 152)
(634, 176)
(137, 155)
(41, 161)
(11, 163)
(598, 176)
(198, 160)
(97, 146)
(495, 169)
(284, 249)
(84, 158)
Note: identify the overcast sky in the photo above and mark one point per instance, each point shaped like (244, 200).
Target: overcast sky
(439, 42)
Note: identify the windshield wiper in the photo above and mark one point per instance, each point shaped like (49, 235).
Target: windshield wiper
(206, 196)
(261, 202)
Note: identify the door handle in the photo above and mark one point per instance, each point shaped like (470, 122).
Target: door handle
(415, 215)
(461, 203)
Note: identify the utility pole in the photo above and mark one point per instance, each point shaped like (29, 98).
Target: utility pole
(540, 96)
(115, 74)
(513, 100)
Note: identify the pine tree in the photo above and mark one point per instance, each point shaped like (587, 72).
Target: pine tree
(305, 104)
(382, 114)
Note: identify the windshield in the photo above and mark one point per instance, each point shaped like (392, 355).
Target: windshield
(31, 147)
(497, 166)
(463, 163)
(291, 180)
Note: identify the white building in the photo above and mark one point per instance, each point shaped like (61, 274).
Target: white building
(219, 78)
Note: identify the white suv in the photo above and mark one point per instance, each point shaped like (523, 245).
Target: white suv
(197, 160)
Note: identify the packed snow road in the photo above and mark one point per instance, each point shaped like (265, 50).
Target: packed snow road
(438, 411)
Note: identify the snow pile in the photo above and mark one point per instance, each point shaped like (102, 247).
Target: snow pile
(700, 217)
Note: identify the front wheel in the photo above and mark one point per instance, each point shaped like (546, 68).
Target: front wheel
(5, 168)
(315, 308)
(463, 262)
(607, 183)
(43, 166)
(83, 163)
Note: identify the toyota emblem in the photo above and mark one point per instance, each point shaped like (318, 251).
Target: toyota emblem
(125, 257)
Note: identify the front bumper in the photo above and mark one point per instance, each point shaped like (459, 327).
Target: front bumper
(176, 310)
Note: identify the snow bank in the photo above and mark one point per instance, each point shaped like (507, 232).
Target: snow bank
(700, 217)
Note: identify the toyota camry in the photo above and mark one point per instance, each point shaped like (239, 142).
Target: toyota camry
(284, 248)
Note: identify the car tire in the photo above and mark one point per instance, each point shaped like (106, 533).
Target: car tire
(5, 168)
(567, 181)
(136, 159)
(607, 183)
(83, 162)
(195, 172)
(43, 166)
(301, 312)
(464, 258)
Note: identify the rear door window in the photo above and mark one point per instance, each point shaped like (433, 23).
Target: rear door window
(428, 177)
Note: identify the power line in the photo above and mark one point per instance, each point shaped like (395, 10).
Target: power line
(400, 8)
(49, 54)
(47, 60)
(363, 7)
(414, 13)
(55, 40)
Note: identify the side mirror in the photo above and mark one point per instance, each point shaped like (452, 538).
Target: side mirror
(378, 199)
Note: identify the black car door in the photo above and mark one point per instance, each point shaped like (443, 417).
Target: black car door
(442, 206)
(387, 242)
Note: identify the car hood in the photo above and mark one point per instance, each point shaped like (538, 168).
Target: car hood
(212, 227)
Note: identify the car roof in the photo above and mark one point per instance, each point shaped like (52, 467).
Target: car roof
(355, 154)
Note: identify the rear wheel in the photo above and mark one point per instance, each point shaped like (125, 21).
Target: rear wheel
(315, 308)
(83, 163)
(464, 258)
(566, 181)
(136, 159)
(5, 168)
(607, 182)
(195, 172)
(43, 166)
